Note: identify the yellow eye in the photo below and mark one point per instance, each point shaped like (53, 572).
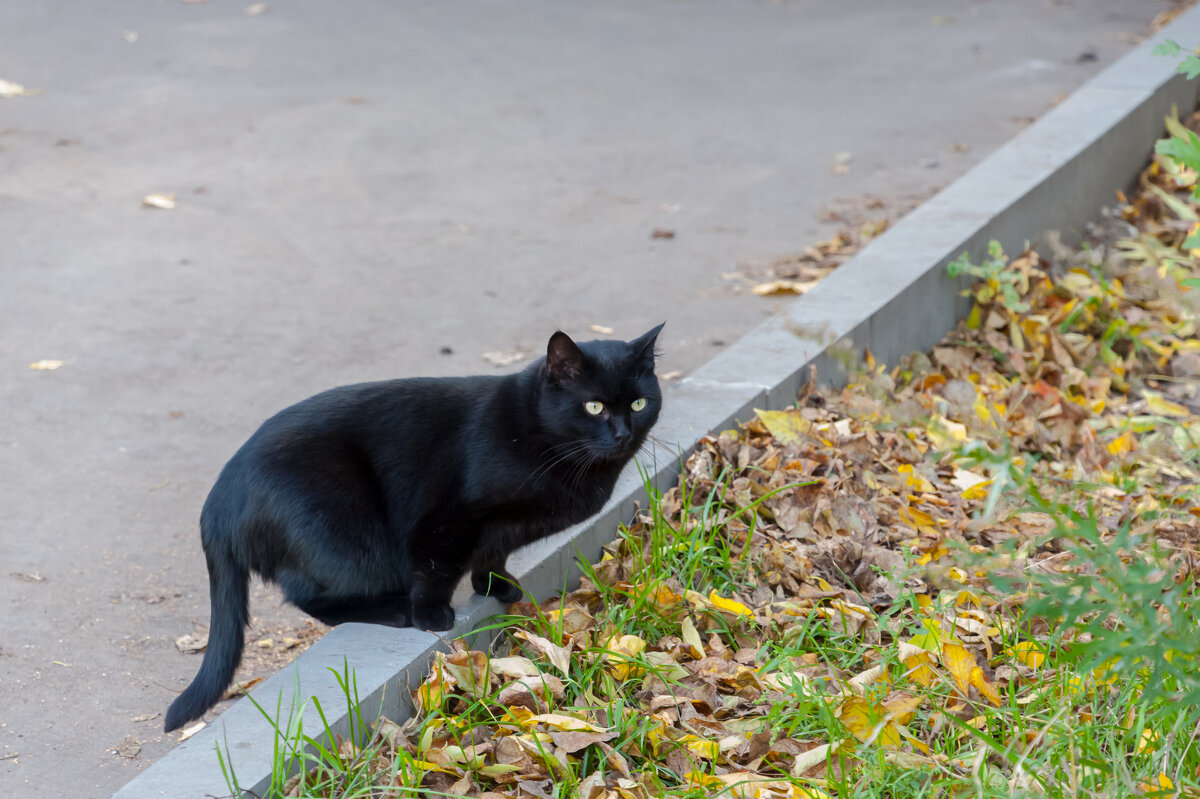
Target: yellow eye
(594, 408)
(638, 404)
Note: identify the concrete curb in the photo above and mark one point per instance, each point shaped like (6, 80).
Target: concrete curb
(893, 298)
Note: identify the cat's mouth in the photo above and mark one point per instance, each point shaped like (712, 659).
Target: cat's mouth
(619, 452)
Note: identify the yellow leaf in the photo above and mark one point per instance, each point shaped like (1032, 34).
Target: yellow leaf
(708, 750)
(1164, 784)
(918, 668)
(692, 638)
(1121, 444)
(919, 519)
(984, 686)
(944, 433)
(1031, 653)
(914, 479)
(1163, 407)
(730, 605)
(559, 721)
(663, 597)
(902, 707)
(788, 427)
(970, 484)
(621, 651)
(46, 365)
(959, 663)
(868, 722)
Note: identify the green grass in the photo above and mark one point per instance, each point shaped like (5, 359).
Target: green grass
(1079, 732)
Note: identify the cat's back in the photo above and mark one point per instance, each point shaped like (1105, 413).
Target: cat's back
(411, 409)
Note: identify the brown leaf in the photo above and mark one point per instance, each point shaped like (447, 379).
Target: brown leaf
(572, 742)
(191, 643)
(128, 748)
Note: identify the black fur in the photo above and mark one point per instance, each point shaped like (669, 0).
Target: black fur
(369, 502)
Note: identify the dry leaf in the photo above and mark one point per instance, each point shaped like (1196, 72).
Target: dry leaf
(506, 357)
(784, 287)
(164, 201)
(559, 656)
(128, 748)
(191, 643)
(789, 427)
(191, 730)
(10, 89)
(46, 365)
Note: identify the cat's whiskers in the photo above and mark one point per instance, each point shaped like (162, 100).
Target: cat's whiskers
(663, 445)
(579, 470)
(553, 459)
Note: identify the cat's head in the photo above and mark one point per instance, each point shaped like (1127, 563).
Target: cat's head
(601, 395)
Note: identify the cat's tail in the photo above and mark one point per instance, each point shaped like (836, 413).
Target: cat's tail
(228, 584)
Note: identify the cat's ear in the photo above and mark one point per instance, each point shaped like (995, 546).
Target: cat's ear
(564, 361)
(643, 346)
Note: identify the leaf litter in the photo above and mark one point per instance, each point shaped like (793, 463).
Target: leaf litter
(814, 603)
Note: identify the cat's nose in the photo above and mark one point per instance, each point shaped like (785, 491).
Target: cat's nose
(622, 437)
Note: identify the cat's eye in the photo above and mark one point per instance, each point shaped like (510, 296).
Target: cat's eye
(638, 403)
(594, 408)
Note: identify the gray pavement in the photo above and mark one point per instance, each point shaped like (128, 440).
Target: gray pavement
(362, 185)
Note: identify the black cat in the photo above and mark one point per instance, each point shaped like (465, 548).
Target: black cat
(369, 502)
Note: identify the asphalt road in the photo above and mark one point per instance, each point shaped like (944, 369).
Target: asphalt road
(362, 187)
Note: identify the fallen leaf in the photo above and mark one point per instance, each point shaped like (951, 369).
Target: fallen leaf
(188, 732)
(959, 662)
(784, 287)
(572, 742)
(691, 637)
(164, 201)
(191, 643)
(730, 605)
(559, 656)
(1163, 407)
(254, 9)
(620, 654)
(601, 329)
(789, 427)
(128, 748)
(506, 357)
(240, 688)
(29, 577)
(1031, 653)
(662, 233)
(559, 721)
(10, 89)
(46, 365)
(868, 722)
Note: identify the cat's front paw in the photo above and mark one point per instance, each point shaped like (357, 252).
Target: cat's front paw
(501, 586)
(437, 617)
